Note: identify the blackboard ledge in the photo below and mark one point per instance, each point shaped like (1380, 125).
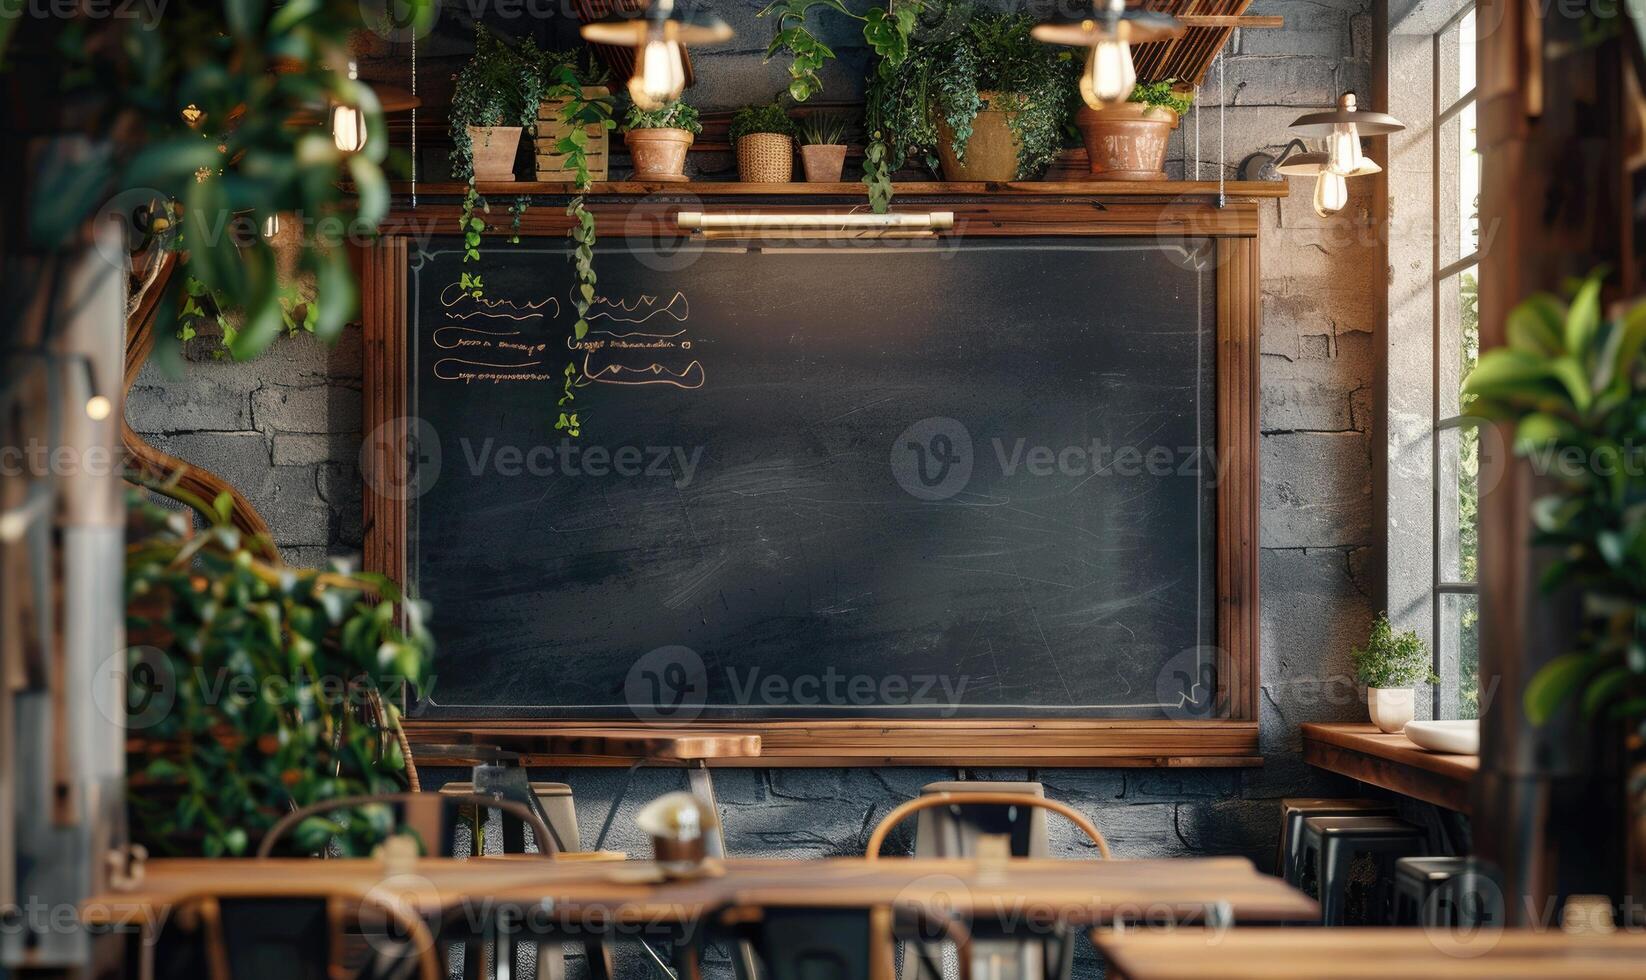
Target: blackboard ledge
(971, 743)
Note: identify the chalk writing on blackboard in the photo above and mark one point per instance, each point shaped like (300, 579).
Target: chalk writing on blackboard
(639, 309)
(460, 304)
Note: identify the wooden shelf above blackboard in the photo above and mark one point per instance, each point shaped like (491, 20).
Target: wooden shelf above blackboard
(1237, 190)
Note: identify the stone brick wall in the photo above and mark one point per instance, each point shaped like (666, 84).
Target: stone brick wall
(285, 429)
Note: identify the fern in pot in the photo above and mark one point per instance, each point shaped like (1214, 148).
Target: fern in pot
(658, 140)
(1128, 141)
(823, 146)
(984, 102)
(764, 137)
(495, 98)
(1391, 666)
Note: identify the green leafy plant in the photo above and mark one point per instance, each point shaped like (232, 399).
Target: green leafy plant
(1571, 387)
(761, 119)
(1393, 660)
(500, 85)
(675, 115)
(566, 75)
(282, 684)
(253, 143)
(886, 29)
(940, 80)
(824, 129)
(1162, 95)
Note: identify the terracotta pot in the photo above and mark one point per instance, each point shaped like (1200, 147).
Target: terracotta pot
(1126, 142)
(659, 154)
(494, 148)
(991, 152)
(824, 162)
(1390, 707)
(765, 158)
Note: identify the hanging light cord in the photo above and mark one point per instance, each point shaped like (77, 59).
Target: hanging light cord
(414, 122)
(1222, 144)
(1196, 133)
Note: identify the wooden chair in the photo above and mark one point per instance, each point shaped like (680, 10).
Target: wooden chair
(837, 943)
(432, 817)
(253, 931)
(969, 814)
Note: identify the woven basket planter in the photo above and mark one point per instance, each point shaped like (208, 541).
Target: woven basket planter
(765, 158)
(550, 130)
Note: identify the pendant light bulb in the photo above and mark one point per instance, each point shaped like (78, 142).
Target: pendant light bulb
(1110, 74)
(1331, 193)
(348, 124)
(659, 72)
(1343, 154)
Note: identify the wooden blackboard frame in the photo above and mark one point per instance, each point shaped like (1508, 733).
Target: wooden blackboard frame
(1231, 739)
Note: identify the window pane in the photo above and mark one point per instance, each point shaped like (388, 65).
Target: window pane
(1457, 156)
(1458, 521)
(1457, 338)
(1458, 647)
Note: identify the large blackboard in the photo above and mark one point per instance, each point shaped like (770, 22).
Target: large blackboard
(968, 478)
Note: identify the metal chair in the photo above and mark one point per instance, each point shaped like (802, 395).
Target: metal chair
(255, 931)
(953, 821)
(1295, 810)
(1348, 861)
(1446, 893)
(837, 943)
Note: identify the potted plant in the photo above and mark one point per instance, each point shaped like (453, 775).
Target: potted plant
(983, 102)
(1128, 141)
(1391, 666)
(658, 139)
(823, 146)
(764, 136)
(558, 116)
(496, 96)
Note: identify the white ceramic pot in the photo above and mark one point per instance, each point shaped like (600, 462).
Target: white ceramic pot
(1390, 707)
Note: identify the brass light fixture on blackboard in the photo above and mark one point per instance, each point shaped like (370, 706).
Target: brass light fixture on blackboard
(1110, 74)
(659, 40)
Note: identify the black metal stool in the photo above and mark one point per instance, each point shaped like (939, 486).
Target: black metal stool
(1295, 810)
(1446, 892)
(1349, 860)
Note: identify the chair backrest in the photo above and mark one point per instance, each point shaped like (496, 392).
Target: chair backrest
(252, 931)
(843, 943)
(433, 817)
(966, 799)
(953, 831)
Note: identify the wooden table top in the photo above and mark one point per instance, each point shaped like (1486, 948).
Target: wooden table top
(547, 745)
(1084, 892)
(1367, 954)
(1393, 762)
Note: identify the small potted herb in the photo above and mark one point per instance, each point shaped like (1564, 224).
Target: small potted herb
(658, 139)
(823, 146)
(496, 96)
(764, 136)
(1391, 666)
(1128, 141)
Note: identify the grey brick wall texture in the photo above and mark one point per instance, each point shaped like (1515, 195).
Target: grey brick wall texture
(285, 429)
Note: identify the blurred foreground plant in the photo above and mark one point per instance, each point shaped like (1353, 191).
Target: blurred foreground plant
(277, 688)
(1571, 387)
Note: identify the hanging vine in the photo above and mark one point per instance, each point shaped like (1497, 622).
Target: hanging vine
(887, 30)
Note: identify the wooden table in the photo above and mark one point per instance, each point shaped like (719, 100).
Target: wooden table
(1082, 892)
(1367, 954)
(1392, 762)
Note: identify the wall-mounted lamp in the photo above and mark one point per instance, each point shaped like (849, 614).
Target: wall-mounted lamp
(1331, 193)
(659, 40)
(1342, 129)
(348, 124)
(1109, 75)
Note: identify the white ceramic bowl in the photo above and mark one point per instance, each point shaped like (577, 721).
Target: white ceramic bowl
(1458, 737)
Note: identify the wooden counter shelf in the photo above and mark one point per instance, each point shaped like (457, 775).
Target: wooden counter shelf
(1168, 189)
(1391, 762)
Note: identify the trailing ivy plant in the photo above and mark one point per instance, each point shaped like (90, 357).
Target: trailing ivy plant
(500, 85)
(1571, 388)
(887, 29)
(940, 81)
(258, 688)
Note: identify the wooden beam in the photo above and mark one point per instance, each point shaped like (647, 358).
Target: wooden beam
(1245, 22)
